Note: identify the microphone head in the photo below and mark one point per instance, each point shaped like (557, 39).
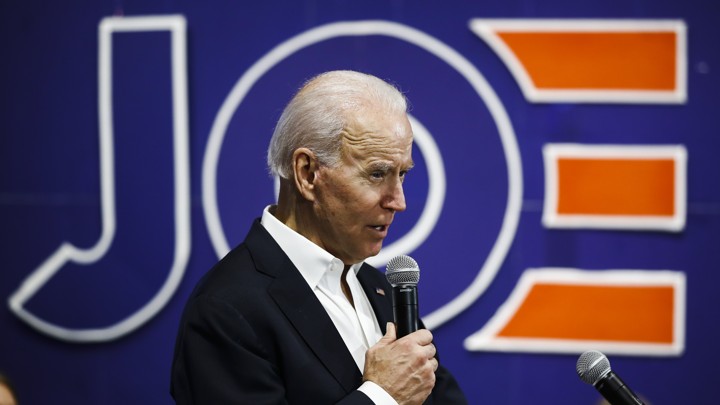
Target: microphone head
(402, 270)
(592, 366)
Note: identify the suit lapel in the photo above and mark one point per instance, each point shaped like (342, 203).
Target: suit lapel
(379, 293)
(302, 308)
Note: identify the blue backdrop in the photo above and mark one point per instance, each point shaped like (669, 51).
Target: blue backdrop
(128, 166)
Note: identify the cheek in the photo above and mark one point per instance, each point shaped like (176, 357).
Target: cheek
(350, 195)
(351, 209)
(361, 201)
(339, 205)
(346, 198)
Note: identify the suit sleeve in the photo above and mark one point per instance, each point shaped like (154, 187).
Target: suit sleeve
(220, 360)
(446, 390)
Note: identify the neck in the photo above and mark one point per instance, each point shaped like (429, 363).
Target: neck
(346, 287)
(294, 211)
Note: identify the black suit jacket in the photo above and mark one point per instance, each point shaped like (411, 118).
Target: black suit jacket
(253, 332)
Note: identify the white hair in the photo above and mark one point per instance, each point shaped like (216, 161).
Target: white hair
(319, 111)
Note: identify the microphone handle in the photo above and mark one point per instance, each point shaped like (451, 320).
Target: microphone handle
(616, 392)
(405, 309)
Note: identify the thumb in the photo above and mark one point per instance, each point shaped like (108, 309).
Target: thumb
(390, 334)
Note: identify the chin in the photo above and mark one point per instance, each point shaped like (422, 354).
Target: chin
(374, 252)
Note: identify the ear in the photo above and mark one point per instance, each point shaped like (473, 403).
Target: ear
(305, 168)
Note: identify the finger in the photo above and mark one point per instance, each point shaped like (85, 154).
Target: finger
(390, 333)
(423, 337)
(431, 351)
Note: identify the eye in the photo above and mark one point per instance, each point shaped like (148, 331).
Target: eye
(377, 175)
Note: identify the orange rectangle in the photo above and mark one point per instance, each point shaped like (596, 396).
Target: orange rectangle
(592, 60)
(640, 314)
(597, 60)
(635, 187)
(592, 186)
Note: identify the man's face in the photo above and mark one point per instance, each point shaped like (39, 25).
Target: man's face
(357, 200)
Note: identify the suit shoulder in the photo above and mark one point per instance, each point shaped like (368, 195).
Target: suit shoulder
(234, 274)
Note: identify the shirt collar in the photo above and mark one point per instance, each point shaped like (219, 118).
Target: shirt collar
(310, 259)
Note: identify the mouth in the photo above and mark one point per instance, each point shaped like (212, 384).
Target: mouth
(381, 229)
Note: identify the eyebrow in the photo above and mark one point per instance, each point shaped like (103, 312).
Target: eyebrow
(386, 167)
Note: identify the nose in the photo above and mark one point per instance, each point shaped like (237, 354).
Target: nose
(394, 199)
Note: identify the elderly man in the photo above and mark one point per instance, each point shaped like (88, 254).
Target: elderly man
(293, 315)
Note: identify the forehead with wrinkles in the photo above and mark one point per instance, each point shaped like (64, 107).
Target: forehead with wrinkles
(372, 129)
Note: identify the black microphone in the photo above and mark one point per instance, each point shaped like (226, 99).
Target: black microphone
(403, 273)
(594, 368)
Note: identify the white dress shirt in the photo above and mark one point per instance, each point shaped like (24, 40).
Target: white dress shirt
(357, 325)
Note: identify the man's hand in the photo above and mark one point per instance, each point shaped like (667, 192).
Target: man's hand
(404, 367)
